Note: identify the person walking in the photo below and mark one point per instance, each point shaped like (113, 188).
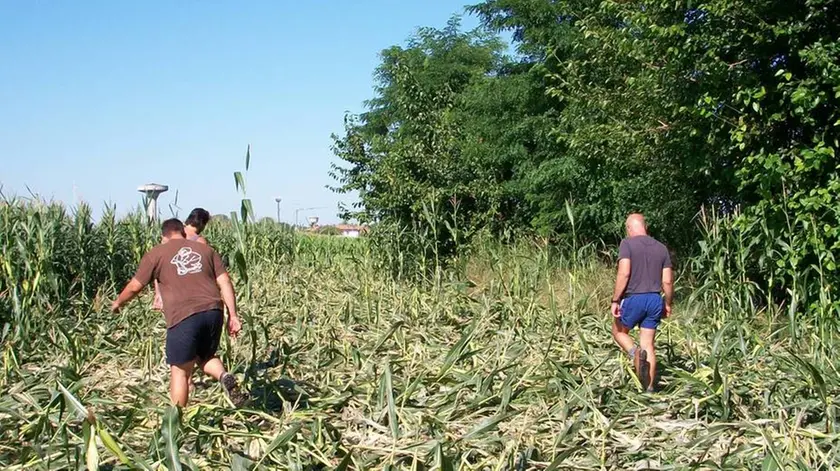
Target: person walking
(195, 223)
(193, 227)
(644, 275)
(195, 284)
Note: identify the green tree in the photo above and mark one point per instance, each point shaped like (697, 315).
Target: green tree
(403, 156)
(672, 105)
(614, 107)
(624, 139)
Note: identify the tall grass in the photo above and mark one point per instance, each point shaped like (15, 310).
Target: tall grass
(360, 355)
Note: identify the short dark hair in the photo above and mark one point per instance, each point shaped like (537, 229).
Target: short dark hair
(172, 226)
(198, 218)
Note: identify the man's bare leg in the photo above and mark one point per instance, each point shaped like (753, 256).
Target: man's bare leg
(621, 334)
(179, 383)
(214, 368)
(646, 341)
(622, 337)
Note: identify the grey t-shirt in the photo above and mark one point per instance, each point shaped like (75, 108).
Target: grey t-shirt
(647, 257)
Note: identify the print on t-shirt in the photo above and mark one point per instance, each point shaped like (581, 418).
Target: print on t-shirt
(186, 261)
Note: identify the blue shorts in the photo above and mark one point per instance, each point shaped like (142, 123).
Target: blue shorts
(644, 310)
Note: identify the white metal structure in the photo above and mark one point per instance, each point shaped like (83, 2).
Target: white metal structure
(152, 191)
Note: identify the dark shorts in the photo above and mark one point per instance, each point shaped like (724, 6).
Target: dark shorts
(644, 310)
(196, 337)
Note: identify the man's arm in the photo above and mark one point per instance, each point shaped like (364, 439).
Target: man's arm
(668, 288)
(128, 293)
(144, 275)
(229, 298)
(621, 280)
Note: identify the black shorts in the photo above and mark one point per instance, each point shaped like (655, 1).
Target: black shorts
(194, 338)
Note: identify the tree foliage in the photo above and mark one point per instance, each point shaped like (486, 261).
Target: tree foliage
(403, 152)
(612, 107)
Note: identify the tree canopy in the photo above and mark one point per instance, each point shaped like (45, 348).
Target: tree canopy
(611, 107)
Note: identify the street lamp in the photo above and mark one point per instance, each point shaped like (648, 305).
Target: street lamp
(278, 200)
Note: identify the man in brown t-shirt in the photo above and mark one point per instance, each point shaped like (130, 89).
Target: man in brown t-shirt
(193, 226)
(193, 282)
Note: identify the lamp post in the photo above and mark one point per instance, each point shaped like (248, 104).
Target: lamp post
(278, 200)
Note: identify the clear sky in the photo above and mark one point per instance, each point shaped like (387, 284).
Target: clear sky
(99, 97)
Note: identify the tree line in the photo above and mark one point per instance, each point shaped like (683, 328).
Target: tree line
(606, 107)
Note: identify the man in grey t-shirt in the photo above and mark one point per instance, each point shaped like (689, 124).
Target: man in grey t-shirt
(644, 270)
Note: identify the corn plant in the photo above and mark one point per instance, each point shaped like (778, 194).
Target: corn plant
(504, 361)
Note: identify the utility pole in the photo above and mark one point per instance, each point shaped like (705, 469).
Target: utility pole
(278, 200)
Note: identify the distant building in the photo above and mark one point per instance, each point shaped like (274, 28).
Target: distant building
(350, 230)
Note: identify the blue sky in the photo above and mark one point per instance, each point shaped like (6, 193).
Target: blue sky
(99, 97)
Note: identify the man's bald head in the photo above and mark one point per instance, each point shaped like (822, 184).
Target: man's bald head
(636, 225)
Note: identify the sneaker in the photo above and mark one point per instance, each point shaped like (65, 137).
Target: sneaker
(232, 391)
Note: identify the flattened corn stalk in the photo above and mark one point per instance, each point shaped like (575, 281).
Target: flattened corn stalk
(505, 363)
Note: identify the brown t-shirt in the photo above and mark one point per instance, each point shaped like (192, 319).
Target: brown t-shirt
(186, 273)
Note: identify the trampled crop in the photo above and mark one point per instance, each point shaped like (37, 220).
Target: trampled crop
(502, 362)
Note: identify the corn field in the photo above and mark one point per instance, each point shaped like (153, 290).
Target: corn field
(503, 361)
